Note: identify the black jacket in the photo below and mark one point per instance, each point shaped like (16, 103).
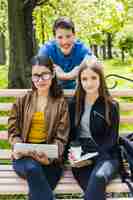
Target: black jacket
(104, 135)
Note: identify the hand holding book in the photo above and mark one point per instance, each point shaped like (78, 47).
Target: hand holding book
(76, 158)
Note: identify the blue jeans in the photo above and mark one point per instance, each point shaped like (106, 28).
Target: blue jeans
(42, 179)
(94, 178)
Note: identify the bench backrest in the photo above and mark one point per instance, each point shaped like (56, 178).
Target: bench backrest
(7, 98)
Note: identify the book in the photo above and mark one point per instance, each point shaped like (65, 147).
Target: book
(51, 150)
(84, 160)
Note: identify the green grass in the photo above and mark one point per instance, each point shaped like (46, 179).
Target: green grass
(3, 76)
(115, 66)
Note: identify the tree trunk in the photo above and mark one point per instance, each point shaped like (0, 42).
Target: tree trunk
(109, 45)
(95, 50)
(103, 47)
(21, 44)
(122, 55)
(2, 50)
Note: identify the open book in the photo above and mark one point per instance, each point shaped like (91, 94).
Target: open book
(84, 160)
(51, 150)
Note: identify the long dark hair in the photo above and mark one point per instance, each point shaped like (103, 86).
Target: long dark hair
(95, 66)
(55, 90)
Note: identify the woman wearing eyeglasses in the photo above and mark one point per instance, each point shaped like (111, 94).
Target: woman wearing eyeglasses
(41, 116)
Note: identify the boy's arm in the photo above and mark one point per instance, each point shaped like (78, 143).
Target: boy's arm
(73, 74)
(67, 75)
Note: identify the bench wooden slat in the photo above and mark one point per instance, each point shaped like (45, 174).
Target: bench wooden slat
(123, 106)
(17, 180)
(3, 120)
(126, 119)
(13, 92)
(4, 135)
(12, 174)
(122, 92)
(123, 119)
(12, 177)
(21, 92)
(126, 106)
(5, 106)
(13, 189)
(125, 198)
(68, 185)
(5, 154)
(61, 188)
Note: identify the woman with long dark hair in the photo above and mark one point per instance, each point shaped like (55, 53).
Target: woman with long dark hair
(96, 125)
(41, 117)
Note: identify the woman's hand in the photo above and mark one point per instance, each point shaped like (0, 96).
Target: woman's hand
(71, 157)
(40, 157)
(16, 156)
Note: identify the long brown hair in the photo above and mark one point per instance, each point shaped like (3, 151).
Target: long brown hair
(95, 66)
(55, 90)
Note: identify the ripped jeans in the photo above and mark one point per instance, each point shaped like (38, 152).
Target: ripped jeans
(94, 178)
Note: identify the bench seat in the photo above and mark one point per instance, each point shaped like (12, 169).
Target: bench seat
(11, 183)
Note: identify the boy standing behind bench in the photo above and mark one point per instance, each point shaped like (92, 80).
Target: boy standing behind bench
(66, 53)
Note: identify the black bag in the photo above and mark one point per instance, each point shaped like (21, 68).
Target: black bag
(126, 155)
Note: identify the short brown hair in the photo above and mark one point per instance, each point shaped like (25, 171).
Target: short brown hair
(64, 23)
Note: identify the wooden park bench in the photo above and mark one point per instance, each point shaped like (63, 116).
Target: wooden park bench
(11, 184)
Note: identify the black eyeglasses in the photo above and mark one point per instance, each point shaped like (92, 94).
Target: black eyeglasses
(44, 76)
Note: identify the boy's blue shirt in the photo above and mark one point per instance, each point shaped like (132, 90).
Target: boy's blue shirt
(67, 63)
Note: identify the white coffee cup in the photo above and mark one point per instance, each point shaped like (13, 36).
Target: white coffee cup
(76, 151)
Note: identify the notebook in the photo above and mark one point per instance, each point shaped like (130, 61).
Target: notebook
(84, 160)
(51, 150)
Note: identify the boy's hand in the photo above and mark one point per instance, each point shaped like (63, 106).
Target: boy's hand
(66, 75)
(59, 72)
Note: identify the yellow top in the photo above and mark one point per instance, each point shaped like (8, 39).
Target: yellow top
(38, 132)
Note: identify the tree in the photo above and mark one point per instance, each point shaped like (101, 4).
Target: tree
(96, 23)
(22, 42)
(3, 31)
(124, 41)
